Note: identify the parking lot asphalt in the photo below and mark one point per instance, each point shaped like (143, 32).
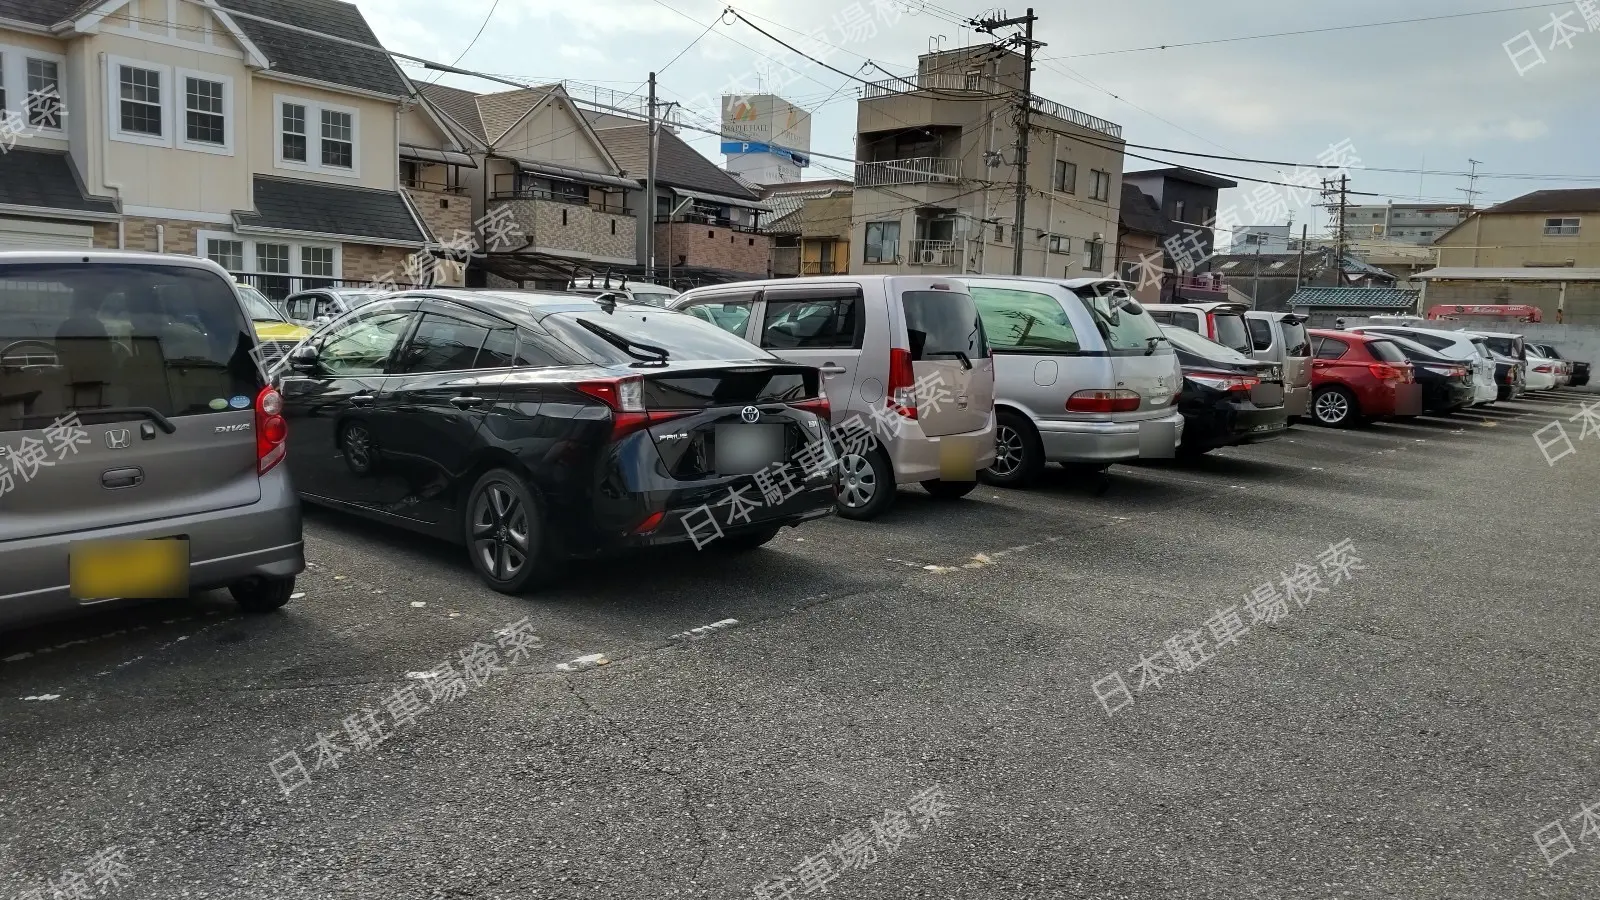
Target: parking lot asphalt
(1404, 735)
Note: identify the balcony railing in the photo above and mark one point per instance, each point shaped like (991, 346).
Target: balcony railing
(709, 221)
(818, 267)
(917, 170)
(959, 83)
(943, 254)
(1209, 282)
(440, 187)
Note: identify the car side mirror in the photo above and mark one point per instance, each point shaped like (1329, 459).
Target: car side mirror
(303, 359)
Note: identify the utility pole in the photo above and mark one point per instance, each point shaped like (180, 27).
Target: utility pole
(1338, 210)
(1471, 190)
(1300, 264)
(648, 214)
(1024, 124)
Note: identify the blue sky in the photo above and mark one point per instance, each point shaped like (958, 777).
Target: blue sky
(1430, 94)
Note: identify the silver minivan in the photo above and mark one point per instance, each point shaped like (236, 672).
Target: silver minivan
(904, 353)
(1083, 375)
(141, 448)
(1281, 338)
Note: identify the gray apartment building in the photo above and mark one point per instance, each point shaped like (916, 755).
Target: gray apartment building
(1410, 223)
(936, 174)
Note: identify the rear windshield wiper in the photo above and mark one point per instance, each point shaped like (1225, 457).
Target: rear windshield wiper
(652, 354)
(1150, 343)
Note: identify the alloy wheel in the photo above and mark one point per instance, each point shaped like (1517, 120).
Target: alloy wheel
(1007, 451)
(500, 532)
(857, 482)
(358, 448)
(1332, 407)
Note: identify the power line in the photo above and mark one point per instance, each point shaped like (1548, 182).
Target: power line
(1258, 37)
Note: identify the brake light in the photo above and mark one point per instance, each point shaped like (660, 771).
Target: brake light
(650, 524)
(1103, 401)
(1222, 382)
(817, 405)
(272, 432)
(902, 382)
(1543, 369)
(1386, 372)
(625, 398)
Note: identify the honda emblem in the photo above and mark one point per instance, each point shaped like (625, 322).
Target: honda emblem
(118, 439)
(750, 414)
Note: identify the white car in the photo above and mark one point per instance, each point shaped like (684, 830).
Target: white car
(629, 291)
(1468, 348)
(1545, 373)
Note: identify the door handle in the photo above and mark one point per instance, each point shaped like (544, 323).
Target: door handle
(122, 478)
(831, 369)
(467, 402)
(361, 400)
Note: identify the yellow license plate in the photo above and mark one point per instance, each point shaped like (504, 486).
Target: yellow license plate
(105, 570)
(957, 461)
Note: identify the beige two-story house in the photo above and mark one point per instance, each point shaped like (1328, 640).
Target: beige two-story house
(262, 134)
(561, 204)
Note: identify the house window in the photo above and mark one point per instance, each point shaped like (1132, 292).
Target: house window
(1561, 227)
(883, 242)
(140, 100)
(273, 258)
(316, 261)
(1060, 243)
(203, 113)
(1099, 185)
(1066, 177)
(44, 94)
(1178, 210)
(294, 132)
(999, 234)
(228, 254)
(337, 139)
(1094, 255)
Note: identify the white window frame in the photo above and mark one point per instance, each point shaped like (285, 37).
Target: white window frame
(313, 163)
(180, 88)
(296, 266)
(1577, 226)
(1060, 243)
(114, 131)
(14, 77)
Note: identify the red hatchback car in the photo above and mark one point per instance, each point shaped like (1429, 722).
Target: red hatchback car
(1358, 377)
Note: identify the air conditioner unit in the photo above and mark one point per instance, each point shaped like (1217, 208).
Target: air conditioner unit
(927, 257)
(1377, 230)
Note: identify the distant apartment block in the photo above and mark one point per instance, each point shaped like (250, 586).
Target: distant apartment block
(1412, 223)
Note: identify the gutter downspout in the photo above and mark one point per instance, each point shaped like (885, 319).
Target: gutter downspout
(1050, 209)
(100, 146)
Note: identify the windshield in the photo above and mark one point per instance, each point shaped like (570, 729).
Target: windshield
(1296, 341)
(1386, 351)
(1231, 331)
(683, 337)
(1122, 321)
(257, 305)
(1184, 339)
(943, 324)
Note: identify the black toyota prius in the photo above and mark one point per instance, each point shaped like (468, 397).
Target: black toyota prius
(533, 427)
(1228, 398)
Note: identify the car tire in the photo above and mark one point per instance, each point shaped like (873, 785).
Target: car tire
(949, 490)
(262, 594)
(866, 484)
(1018, 452)
(746, 541)
(504, 528)
(1335, 407)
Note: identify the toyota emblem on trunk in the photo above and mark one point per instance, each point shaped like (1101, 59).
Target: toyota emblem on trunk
(750, 414)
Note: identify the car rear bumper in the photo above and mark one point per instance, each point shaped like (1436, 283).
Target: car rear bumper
(1235, 424)
(1297, 399)
(703, 517)
(225, 546)
(952, 457)
(1101, 441)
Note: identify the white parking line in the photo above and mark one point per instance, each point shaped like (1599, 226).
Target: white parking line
(583, 662)
(703, 630)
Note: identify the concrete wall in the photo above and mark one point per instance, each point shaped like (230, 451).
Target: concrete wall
(1581, 305)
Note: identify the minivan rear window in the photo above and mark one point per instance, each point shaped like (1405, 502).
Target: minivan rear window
(1122, 321)
(1231, 332)
(96, 340)
(1505, 346)
(1296, 341)
(943, 325)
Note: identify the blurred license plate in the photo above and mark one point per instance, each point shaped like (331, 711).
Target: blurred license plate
(1270, 426)
(1157, 439)
(105, 570)
(1408, 400)
(747, 449)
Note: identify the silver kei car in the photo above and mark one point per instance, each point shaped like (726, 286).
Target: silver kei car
(1083, 375)
(141, 448)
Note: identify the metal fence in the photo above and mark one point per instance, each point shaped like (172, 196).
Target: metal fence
(917, 170)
